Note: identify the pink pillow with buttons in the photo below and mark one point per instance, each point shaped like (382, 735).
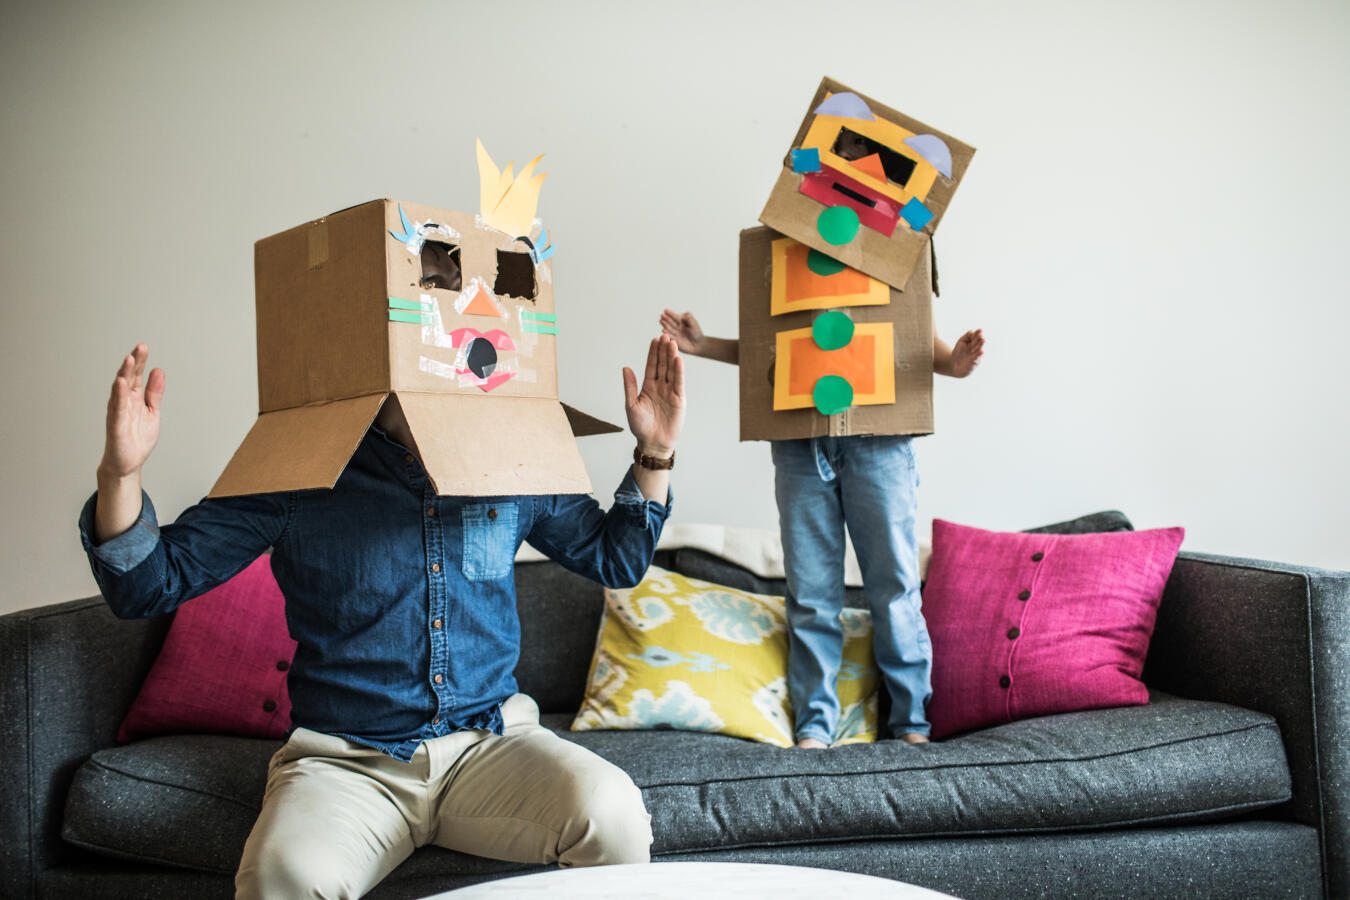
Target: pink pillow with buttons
(222, 669)
(1033, 624)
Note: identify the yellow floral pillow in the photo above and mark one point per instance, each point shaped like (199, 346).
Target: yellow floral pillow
(676, 652)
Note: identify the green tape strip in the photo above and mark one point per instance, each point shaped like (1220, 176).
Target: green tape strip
(395, 303)
(415, 318)
(538, 317)
(540, 329)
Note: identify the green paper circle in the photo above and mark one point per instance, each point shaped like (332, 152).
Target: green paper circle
(832, 330)
(837, 225)
(832, 394)
(823, 265)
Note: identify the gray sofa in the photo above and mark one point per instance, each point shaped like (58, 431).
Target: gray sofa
(1233, 782)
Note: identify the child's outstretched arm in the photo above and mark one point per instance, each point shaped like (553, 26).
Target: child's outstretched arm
(960, 360)
(691, 339)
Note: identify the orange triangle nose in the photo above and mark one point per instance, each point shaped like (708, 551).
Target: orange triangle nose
(872, 166)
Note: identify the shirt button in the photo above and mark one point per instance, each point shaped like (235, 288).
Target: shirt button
(1025, 595)
(269, 705)
(492, 514)
(1013, 633)
(408, 458)
(435, 567)
(1004, 682)
(1037, 556)
(431, 511)
(435, 721)
(438, 679)
(436, 624)
(282, 665)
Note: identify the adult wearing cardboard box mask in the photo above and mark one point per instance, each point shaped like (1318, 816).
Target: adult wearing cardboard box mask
(408, 729)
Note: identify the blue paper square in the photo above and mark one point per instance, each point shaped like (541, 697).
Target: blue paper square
(807, 160)
(916, 214)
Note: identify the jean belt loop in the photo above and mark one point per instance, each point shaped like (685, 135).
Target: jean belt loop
(822, 464)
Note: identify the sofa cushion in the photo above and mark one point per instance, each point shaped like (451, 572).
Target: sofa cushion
(679, 652)
(223, 666)
(190, 800)
(1031, 624)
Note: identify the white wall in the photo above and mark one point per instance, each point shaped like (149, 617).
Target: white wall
(1153, 232)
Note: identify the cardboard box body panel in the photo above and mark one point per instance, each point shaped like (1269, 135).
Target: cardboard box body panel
(452, 318)
(910, 313)
(889, 258)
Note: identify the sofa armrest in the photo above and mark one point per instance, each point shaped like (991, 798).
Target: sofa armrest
(68, 674)
(1274, 638)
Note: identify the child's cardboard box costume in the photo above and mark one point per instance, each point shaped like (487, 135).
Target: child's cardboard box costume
(449, 315)
(836, 329)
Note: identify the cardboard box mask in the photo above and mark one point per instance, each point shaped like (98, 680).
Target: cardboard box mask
(448, 314)
(865, 184)
(828, 350)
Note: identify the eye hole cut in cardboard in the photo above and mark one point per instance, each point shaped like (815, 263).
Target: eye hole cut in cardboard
(889, 165)
(515, 274)
(440, 266)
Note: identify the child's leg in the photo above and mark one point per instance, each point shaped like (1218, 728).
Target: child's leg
(812, 525)
(879, 481)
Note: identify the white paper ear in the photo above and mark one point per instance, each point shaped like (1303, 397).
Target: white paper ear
(933, 150)
(847, 105)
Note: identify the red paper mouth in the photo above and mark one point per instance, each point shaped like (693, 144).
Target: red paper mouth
(833, 188)
(481, 356)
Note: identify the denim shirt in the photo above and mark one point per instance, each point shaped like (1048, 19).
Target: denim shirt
(402, 602)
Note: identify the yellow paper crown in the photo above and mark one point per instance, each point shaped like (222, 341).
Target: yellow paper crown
(508, 202)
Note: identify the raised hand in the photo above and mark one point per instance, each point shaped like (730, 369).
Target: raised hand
(966, 353)
(684, 328)
(656, 412)
(133, 416)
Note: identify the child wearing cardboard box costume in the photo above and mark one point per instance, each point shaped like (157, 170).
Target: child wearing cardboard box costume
(836, 351)
(410, 439)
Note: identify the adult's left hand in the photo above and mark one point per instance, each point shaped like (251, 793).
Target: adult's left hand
(656, 413)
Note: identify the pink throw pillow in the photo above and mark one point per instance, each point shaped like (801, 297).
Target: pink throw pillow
(1032, 624)
(222, 669)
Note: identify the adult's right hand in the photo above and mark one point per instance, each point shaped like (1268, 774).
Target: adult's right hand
(133, 416)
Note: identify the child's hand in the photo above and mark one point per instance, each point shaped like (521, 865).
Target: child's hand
(966, 353)
(684, 329)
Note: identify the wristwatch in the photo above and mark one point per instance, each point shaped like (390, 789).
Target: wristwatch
(653, 462)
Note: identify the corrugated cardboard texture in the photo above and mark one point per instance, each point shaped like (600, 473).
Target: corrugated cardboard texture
(422, 358)
(515, 445)
(909, 310)
(891, 259)
(321, 310)
(298, 449)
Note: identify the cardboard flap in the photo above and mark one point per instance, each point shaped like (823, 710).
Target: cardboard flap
(478, 446)
(584, 424)
(298, 449)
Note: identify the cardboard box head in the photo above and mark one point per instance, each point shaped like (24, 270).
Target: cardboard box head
(865, 184)
(449, 315)
(829, 350)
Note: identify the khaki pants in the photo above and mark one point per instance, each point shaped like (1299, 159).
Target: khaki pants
(337, 817)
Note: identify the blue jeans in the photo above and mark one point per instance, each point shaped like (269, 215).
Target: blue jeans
(870, 484)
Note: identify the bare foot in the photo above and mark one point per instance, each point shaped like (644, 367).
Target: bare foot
(912, 738)
(811, 744)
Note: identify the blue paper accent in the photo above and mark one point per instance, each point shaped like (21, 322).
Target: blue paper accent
(807, 160)
(544, 250)
(846, 104)
(916, 214)
(408, 230)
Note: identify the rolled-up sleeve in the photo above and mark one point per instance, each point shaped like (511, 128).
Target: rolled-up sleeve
(613, 547)
(149, 570)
